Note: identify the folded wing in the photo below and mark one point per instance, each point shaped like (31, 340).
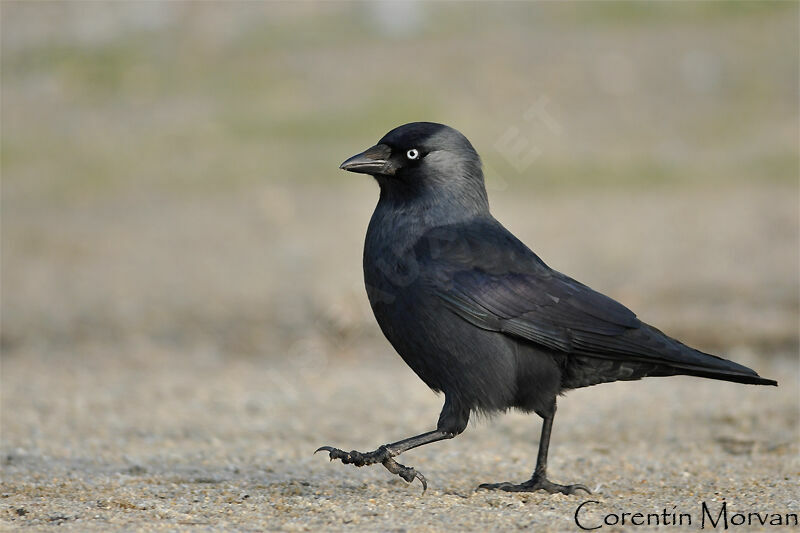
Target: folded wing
(486, 276)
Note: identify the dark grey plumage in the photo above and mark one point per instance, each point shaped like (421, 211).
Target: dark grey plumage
(480, 317)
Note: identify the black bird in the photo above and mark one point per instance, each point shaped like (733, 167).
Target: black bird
(477, 315)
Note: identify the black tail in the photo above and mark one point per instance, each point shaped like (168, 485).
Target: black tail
(646, 351)
(693, 362)
(705, 365)
(749, 377)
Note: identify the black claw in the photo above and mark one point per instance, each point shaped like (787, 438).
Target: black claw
(580, 487)
(422, 480)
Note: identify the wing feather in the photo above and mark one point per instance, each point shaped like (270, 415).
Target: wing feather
(482, 273)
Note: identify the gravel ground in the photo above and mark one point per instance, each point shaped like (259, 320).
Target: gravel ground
(150, 384)
(150, 439)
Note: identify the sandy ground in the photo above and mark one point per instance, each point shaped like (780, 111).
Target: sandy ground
(154, 440)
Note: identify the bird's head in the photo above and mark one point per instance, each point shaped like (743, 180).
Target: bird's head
(420, 159)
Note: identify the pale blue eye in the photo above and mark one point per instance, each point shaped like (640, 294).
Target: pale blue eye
(412, 154)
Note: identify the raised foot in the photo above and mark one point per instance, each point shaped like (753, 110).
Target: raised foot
(382, 455)
(534, 484)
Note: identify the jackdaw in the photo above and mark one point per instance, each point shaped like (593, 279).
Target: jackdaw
(481, 318)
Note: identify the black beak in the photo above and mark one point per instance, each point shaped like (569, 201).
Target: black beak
(373, 161)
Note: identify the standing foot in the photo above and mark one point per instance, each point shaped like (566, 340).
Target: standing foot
(383, 456)
(534, 484)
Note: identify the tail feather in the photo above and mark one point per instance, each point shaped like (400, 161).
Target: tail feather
(646, 351)
(693, 362)
(746, 378)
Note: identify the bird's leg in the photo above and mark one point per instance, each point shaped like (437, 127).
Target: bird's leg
(452, 421)
(386, 453)
(539, 479)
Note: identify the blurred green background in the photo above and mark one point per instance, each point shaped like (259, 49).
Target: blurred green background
(169, 169)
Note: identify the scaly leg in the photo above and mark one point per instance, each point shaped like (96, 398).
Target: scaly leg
(539, 479)
(452, 421)
(386, 453)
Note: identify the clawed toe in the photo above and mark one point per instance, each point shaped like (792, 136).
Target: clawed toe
(535, 484)
(406, 472)
(355, 457)
(382, 455)
(505, 485)
(336, 453)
